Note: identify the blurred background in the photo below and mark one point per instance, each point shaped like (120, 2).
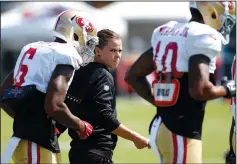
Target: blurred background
(25, 22)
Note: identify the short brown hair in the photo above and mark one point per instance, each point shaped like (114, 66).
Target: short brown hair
(104, 36)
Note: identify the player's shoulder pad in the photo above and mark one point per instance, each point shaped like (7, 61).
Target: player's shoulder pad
(202, 39)
(67, 54)
(157, 30)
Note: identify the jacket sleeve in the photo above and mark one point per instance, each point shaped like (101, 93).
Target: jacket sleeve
(103, 97)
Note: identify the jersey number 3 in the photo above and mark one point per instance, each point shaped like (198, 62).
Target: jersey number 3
(166, 93)
(23, 69)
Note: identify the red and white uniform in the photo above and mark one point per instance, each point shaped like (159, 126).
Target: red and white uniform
(176, 131)
(34, 137)
(197, 39)
(38, 60)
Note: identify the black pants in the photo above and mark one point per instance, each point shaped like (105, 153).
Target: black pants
(87, 158)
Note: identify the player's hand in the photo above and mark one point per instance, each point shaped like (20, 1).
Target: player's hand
(88, 129)
(229, 86)
(141, 142)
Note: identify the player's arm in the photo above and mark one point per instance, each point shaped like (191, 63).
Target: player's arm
(136, 75)
(200, 87)
(55, 96)
(7, 83)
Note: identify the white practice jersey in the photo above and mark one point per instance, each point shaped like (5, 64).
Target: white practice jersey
(38, 60)
(174, 43)
(233, 100)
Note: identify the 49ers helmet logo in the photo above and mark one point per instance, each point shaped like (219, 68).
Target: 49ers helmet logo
(85, 22)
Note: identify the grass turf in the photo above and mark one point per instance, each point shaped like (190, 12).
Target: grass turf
(137, 114)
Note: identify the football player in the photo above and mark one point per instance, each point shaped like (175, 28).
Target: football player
(41, 77)
(183, 56)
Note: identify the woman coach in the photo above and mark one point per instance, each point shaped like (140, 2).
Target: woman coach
(91, 97)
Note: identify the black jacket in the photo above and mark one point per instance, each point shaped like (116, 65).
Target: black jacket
(91, 97)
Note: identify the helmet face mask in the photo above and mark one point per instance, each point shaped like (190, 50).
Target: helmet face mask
(75, 27)
(218, 15)
(228, 22)
(87, 51)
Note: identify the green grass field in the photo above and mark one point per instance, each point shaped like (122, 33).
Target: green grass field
(137, 114)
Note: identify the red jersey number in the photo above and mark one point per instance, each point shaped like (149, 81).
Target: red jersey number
(23, 69)
(166, 94)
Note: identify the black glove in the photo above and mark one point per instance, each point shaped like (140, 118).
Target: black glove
(229, 86)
